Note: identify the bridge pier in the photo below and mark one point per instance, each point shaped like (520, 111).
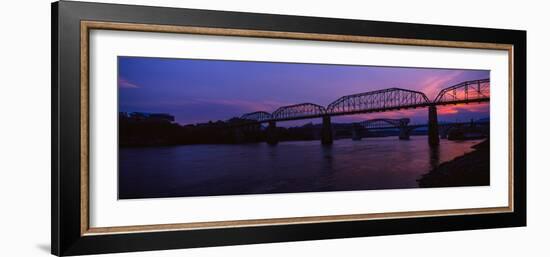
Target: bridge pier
(404, 133)
(326, 131)
(356, 132)
(272, 138)
(433, 126)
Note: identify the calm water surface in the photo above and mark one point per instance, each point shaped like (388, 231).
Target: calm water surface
(300, 166)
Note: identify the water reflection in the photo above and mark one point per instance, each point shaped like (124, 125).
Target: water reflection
(300, 166)
(434, 156)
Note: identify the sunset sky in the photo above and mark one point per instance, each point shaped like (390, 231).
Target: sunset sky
(196, 91)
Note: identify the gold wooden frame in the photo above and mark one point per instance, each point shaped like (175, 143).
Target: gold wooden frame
(86, 26)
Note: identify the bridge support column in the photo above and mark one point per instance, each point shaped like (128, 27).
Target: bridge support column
(272, 138)
(326, 131)
(433, 134)
(356, 132)
(404, 133)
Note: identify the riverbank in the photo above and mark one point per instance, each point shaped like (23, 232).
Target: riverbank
(471, 169)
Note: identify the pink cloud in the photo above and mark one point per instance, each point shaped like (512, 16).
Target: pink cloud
(453, 109)
(433, 84)
(124, 83)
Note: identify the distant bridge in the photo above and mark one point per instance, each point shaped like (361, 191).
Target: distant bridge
(405, 128)
(401, 124)
(384, 123)
(391, 99)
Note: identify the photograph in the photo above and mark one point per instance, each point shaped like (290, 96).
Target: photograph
(202, 127)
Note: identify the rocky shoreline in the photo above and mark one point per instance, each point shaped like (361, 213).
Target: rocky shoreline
(471, 169)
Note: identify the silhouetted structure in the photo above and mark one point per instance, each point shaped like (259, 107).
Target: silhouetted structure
(475, 91)
(401, 124)
(326, 132)
(142, 129)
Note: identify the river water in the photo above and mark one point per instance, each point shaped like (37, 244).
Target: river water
(298, 166)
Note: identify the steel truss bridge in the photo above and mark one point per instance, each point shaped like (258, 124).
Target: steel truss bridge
(391, 99)
(383, 123)
(405, 128)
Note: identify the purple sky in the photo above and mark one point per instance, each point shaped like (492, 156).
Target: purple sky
(197, 91)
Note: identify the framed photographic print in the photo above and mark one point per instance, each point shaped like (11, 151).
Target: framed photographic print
(177, 128)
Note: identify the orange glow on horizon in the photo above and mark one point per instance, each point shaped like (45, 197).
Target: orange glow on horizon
(454, 109)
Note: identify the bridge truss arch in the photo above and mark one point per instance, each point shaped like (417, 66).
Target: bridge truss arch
(379, 100)
(385, 123)
(299, 111)
(468, 91)
(257, 116)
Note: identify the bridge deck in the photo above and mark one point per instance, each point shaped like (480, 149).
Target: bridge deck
(423, 105)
